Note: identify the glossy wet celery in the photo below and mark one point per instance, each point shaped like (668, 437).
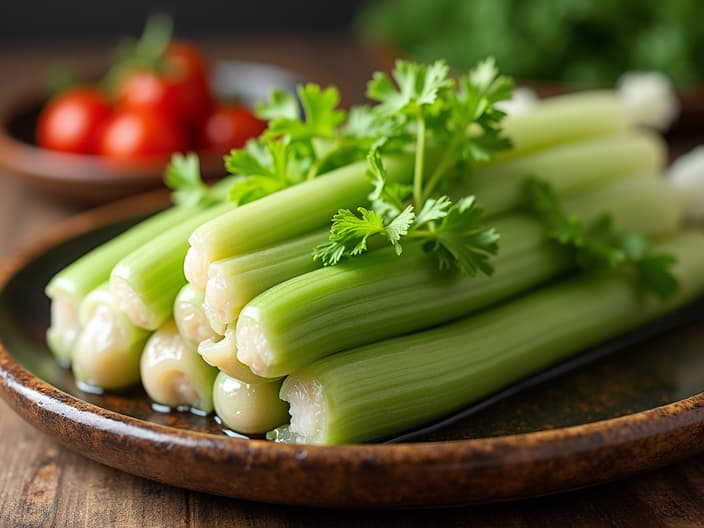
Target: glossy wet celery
(386, 388)
(189, 316)
(285, 214)
(173, 374)
(235, 281)
(68, 288)
(382, 295)
(107, 351)
(146, 281)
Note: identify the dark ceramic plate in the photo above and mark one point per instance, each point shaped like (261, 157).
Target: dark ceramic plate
(629, 406)
(91, 179)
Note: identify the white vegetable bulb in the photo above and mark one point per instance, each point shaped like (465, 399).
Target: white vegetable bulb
(686, 177)
(650, 97)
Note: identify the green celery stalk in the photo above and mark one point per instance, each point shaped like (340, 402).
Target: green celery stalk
(570, 168)
(146, 281)
(235, 281)
(381, 295)
(107, 351)
(565, 118)
(173, 373)
(285, 214)
(393, 386)
(69, 287)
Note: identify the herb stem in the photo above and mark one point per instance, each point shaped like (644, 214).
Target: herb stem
(447, 159)
(419, 161)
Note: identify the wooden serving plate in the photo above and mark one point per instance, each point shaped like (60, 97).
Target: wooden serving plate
(627, 412)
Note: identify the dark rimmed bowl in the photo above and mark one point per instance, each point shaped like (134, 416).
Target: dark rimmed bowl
(631, 412)
(86, 179)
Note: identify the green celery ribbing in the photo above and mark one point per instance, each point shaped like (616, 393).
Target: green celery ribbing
(285, 214)
(563, 119)
(381, 295)
(389, 387)
(147, 280)
(569, 168)
(234, 282)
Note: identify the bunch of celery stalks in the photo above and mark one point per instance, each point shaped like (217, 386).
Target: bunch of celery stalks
(219, 306)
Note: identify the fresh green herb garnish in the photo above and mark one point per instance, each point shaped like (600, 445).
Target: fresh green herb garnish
(598, 246)
(421, 104)
(182, 174)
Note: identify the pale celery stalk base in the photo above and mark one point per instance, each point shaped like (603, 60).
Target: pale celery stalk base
(107, 351)
(173, 373)
(190, 318)
(68, 288)
(249, 408)
(235, 281)
(147, 280)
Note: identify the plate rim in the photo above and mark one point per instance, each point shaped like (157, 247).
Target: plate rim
(383, 475)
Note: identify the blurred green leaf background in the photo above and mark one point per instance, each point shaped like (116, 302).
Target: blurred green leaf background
(581, 42)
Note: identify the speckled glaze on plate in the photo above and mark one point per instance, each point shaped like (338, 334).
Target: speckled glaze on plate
(636, 409)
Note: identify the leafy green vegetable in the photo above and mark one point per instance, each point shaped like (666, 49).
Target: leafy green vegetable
(547, 39)
(598, 245)
(419, 103)
(182, 175)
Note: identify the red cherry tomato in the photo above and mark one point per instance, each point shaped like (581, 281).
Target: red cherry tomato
(187, 60)
(133, 135)
(180, 90)
(229, 126)
(71, 121)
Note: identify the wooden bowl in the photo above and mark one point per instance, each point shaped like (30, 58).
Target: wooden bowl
(86, 179)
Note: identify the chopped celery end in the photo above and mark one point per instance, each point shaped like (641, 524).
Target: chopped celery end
(249, 408)
(174, 374)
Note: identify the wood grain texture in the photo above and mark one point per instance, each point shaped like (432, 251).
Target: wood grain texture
(43, 484)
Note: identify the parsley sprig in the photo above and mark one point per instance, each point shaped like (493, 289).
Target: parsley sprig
(183, 176)
(422, 104)
(598, 246)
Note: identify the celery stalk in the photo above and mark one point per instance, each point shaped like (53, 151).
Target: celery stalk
(235, 281)
(222, 353)
(146, 281)
(107, 351)
(565, 118)
(283, 215)
(396, 385)
(189, 316)
(68, 288)
(250, 408)
(174, 374)
(382, 295)
(570, 168)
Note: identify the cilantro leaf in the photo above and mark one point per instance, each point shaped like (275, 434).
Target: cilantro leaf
(349, 233)
(386, 197)
(182, 175)
(281, 105)
(416, 85)
(599, 246)
(320, 115)
(433, 209)
(462, 241)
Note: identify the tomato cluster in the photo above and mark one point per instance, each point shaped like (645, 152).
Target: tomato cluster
(150, 114)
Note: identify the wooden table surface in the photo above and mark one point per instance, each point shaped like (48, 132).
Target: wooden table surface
(43, 484)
